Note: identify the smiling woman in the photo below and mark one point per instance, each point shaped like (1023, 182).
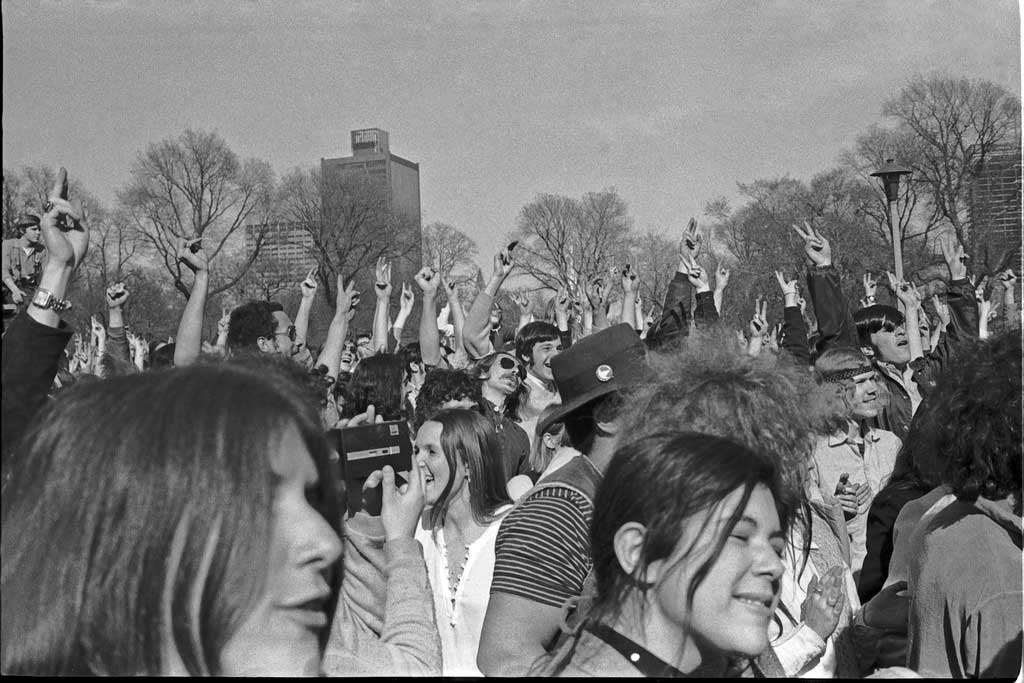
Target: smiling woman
(171, 523)
(686, 539)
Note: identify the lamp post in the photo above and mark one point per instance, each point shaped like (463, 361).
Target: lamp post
(890, 174)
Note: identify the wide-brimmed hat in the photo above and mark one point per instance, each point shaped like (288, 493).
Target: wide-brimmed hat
(598, 364)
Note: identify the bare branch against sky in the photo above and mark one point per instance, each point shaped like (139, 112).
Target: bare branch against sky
(672, 103)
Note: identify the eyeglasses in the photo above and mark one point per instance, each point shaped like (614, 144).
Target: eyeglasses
(290, 332)
(507, 363)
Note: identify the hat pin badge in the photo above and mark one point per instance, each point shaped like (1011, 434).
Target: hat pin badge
(604, 373)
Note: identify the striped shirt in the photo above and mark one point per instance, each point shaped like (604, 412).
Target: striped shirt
(542, 552)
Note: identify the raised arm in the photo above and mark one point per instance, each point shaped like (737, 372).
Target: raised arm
(382, 289)
(1011, 315)
(758, 326)
(630, 283)
(522, 302)
(721, 281)
(35, 340)
(406, 301)
(597, 305)
(189, 339)
(705, 312)
(794, 329)
(308, 288)
(430, 338)
(344, 310)
(117, 344)
(831, 309)
(477, 332)
(459, 359)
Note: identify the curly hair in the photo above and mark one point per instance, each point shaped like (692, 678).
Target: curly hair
(441, 386)
(768, 403)
(249, 322)
(977, 420)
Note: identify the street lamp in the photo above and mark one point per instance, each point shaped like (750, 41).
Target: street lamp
(890, 174)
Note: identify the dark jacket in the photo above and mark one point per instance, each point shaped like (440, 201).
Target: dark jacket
(836, 327)
(30, 355)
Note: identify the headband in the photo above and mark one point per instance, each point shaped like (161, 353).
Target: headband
(840, 375)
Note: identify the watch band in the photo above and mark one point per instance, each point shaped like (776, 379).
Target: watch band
(45, 299)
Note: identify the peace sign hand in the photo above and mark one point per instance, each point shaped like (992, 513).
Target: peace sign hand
(817, 248)
(65, 245)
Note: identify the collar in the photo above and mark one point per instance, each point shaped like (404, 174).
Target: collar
(26, 245)
(840, 437)
(538, 382)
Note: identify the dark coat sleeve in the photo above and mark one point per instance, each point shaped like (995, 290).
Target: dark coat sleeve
(880, 523)
(30, 356)
(832, 310)
(962, 328)
(674, 323)
(794, 335)
(705, 314)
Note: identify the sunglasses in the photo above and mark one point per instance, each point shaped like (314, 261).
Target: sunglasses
(290, 332)
(507, 363)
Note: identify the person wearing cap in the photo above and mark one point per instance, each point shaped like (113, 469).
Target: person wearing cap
(23, 260)
(854, 462)
(542, 552)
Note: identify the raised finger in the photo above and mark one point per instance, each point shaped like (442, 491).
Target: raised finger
(804, 236)
(60, 185)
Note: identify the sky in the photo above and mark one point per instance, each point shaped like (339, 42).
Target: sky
(672, 103)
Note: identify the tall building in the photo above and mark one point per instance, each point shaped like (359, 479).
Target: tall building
(995, 202)
(398, 181)
(286, 253)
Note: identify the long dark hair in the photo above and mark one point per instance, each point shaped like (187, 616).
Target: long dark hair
(470, 437)
(377, 380)
(133, 488)
(666, 482)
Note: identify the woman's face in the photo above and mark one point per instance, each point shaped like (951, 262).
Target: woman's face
(431, 458)
(280, 636)
(734, 603)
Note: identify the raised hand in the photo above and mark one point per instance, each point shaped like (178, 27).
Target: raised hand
(824, 603)
(759, 323)
(721, 277)
(348, 298)
(406, 299)
(953, 253)
(308, 285)
(503, 263)
(522, 302)
(690, 244)
(630, 281)
(224, 322)
(774, 338)
(595, 293)
(562, 302)
(427, 280)
(495, 318)
(698, 277)
(190, 252)
(117, 295)
(450, 288)
(908, 295)
(66, 243)
(788, 287)
(382, 282)
(817, 248)
(870, 289)
(1007, 279)
(99, 333)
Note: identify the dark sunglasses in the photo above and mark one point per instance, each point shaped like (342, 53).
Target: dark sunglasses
(507, 363)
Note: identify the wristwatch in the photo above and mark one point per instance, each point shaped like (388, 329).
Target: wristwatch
(45, 299)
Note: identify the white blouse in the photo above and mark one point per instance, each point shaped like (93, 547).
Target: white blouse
(460, 616)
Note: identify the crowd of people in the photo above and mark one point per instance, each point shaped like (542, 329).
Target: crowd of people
(834, 496)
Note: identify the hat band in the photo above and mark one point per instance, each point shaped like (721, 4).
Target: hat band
(840, 375)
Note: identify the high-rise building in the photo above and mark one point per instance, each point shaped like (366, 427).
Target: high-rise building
(286, 252)
(995, 202)
(398, 181)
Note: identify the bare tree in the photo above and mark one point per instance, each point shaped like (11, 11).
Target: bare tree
(565, 242)
(450, 250)
(346, 226)
(195, 186)
(957, 124)
(655, 257)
